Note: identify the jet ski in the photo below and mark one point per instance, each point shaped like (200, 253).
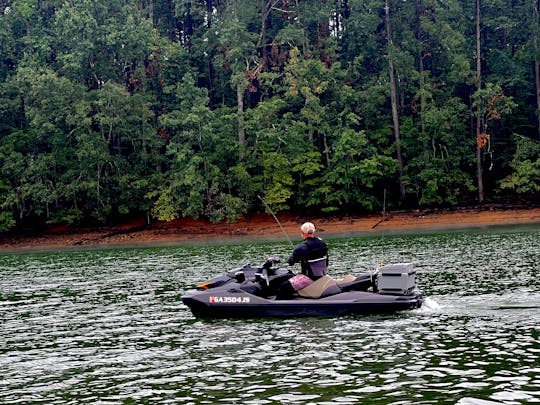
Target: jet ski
(250, 292)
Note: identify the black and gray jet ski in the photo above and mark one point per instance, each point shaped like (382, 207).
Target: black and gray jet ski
(249, 292)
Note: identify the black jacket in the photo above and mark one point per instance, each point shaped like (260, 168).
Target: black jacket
(308, 249)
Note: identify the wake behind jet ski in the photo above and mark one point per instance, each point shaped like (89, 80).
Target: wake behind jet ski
(250, 292)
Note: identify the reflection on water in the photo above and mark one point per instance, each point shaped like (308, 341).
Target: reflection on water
(108, 326)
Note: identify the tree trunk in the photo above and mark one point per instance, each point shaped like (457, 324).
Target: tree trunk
(337, 22)
(394, 101)
(148, 6)
(211, 71)
(241, 130)
(267, 6)
(421, 71)
(479, 166)
(537, 81)
(536, 64)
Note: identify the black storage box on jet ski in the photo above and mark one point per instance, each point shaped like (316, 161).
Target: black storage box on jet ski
(249, 292)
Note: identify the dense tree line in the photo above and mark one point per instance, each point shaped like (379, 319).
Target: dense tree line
(112, 109)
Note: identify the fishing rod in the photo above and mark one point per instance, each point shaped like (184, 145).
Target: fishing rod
(277, 220)
(527, 137)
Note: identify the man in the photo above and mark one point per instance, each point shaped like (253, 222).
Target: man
(311, 253)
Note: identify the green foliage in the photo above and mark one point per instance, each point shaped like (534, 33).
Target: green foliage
(68, 216)
(226, 207)
(163, 208)
(116, 109)
(96, 41)
(7, 222)
(491, 104)
(278, 181)
(355, 169)
(525, 178)
(439, 165)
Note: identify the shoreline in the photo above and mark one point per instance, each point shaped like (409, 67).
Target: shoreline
(264, 227)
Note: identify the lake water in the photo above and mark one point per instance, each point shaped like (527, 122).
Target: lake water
(108, 326)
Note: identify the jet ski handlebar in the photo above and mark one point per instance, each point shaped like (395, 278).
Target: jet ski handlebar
(270, 262)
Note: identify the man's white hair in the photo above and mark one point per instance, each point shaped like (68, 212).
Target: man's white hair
(308, 228)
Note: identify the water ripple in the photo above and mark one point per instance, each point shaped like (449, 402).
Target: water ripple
(108, 327)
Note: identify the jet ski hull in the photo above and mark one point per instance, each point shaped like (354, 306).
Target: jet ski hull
(236, 303)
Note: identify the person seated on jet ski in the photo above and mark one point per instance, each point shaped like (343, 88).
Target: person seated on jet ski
(312, 254)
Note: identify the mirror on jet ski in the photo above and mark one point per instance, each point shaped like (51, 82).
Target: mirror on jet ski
(271, 261)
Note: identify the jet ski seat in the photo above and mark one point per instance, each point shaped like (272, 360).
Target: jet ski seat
(363, 282)
(320, 288)
(349, 278)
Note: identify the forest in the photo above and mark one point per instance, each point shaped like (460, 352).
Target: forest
(163, 109)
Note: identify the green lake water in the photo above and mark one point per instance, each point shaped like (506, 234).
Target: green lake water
(108, 326)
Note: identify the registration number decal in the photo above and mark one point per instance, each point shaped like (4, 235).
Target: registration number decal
(228, 300)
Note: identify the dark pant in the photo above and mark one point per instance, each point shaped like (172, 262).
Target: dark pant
(285, 291)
